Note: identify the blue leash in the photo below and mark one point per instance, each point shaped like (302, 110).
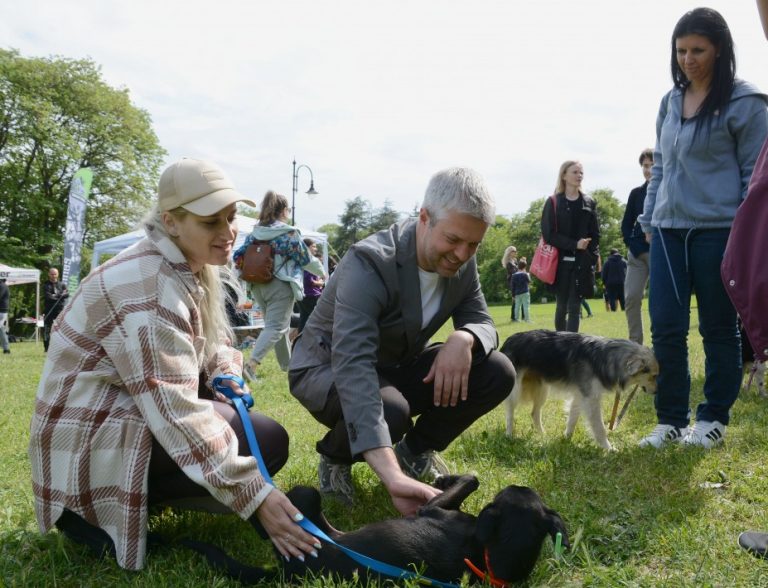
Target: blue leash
(242, 404)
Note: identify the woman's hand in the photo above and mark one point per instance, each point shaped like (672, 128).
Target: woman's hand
(279, 518)
(583, 243)
(232, 384)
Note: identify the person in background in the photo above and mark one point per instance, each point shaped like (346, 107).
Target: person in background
(614, 273)
(521, 282)
(709, 131)
(751, 302)
(132, 364)
(585, 306)
(313, 287)
(638, 268)
(571, 226)
(277, 297)
(236, 314)
(55, 297)
(509, 263)
(365, 363)
(5, 303)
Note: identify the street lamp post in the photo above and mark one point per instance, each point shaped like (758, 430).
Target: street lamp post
(295, 186)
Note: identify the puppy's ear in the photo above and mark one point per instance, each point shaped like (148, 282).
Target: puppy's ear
(487, 522)
(635, 365)
(556, 525)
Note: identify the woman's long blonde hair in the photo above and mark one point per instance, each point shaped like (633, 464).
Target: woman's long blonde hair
(215, 324)
(560, 187)
(508, 252)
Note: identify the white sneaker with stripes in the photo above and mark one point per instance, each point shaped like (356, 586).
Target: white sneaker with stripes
(663, 435)
(705, 434)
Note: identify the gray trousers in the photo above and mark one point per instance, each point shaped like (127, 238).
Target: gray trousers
(3, 336)
(634, 288)
(276, 302)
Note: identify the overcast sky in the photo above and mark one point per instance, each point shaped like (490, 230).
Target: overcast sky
(376, 97)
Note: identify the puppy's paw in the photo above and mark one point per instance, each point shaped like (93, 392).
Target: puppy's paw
(445, 482)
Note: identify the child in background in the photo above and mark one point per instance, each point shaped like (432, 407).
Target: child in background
(521, 281)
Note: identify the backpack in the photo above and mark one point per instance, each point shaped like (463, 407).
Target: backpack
(258, 263)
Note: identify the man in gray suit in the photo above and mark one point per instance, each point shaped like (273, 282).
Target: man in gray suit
(364, 366)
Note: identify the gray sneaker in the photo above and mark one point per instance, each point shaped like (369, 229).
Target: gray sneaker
(425, 467)
(336, 480)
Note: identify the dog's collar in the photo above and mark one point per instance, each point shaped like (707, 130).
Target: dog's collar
(486, 576)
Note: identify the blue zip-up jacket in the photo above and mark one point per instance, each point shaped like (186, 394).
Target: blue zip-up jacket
(700, 184)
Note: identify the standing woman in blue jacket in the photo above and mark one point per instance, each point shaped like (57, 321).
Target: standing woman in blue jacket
(276, 297)
(709, 131)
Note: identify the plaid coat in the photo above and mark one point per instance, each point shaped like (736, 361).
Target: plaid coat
(123, 367)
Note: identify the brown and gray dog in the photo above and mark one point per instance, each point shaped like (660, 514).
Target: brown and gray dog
(583, 367)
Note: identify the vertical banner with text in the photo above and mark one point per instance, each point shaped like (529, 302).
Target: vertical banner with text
(75, 228)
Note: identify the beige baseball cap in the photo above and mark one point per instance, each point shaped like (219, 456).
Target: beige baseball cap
(201, 187)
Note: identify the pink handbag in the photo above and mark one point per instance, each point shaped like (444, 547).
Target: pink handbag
(544, 263)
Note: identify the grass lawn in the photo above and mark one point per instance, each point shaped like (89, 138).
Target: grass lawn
(636, 517)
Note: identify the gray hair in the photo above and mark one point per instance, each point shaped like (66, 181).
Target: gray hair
(459, 189)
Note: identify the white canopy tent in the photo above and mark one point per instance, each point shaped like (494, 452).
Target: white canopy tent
(14, 276)
(244, 227)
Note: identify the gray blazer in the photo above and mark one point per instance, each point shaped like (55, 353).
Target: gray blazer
(368, 317)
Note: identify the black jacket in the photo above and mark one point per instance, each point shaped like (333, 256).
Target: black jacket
(631, 231)
(614, 270)
(56, 295)
(586, 227)
(5, 296)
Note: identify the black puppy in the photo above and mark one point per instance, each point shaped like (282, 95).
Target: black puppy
(504, 540)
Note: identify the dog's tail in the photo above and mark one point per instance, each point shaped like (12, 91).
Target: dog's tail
(217, 558)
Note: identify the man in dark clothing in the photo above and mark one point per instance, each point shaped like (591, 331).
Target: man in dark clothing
(614, 273)
(56, 295)
(5, 297)
(634, 238)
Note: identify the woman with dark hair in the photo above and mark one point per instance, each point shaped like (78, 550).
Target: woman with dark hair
(277, 297)
(313, 287)
(709, 130)
(569, 222)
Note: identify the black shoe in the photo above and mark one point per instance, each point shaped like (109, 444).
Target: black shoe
(755, 543)
(76, 529)
(6, 350)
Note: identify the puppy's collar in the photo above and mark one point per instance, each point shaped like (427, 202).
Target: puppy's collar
(486, 576)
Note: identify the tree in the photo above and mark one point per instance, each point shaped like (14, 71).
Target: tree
(57, 115)
(384, 217)
(609, 213)
(354, 223)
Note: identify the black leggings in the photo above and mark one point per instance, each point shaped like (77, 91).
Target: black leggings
(168, 483)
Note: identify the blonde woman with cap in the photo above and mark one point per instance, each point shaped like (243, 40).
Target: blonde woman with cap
(130, 364)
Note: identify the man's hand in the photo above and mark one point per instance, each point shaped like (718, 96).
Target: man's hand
(450, 370)
(583, 243)
(407, 494)
(648, 237)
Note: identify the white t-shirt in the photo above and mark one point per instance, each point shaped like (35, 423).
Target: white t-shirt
(431, 295)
